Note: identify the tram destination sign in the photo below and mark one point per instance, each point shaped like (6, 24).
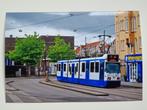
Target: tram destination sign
(113, 58)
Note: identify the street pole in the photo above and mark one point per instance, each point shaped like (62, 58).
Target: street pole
(104, 39)
(104, 42)
(45, 66)
(45, 61)
(85, 47)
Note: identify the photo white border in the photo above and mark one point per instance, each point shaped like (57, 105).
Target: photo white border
(65, 6)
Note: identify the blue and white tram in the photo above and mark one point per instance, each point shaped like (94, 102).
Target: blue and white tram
(98, 71)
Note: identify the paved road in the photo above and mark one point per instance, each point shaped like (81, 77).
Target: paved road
(29, 90)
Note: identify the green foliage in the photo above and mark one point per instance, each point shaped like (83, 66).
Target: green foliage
(28, 50)
(60, 50)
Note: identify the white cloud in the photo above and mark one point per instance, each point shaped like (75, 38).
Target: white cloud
(43, 30)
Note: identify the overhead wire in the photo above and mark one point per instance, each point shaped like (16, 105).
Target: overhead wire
(51, 20)
(65, 17)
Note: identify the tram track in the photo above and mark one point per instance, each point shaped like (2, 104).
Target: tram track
(116, 92)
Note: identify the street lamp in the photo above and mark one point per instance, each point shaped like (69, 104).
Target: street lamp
(104, 37)
(45, 61)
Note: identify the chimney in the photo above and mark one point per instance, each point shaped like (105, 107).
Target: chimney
(11, 36)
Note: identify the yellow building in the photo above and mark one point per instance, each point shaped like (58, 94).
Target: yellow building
(128, 35)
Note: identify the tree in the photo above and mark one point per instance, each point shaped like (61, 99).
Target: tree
(28, 50)
(60, 50)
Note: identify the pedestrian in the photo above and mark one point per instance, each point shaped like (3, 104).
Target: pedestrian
(49, 71)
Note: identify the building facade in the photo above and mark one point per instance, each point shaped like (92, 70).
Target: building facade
(128, 38)
(39, 70)
(93, 49)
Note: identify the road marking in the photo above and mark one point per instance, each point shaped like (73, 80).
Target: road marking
(31, 97)
(14, 98)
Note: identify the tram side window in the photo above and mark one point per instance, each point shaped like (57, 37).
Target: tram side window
(76, 68)
(69, 68)
(64, 67)
(92, 67)
(59, 67)
(83, 67)
(96, 66)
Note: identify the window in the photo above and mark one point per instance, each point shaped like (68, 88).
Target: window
(69, 68)
(138, 22)
(134, 21)
(121, 25)
(76, 68)
(133, 24)
(96, 66)
(83, 67)
(59, 66)
(64, 67)
(112, 67)
(92, 67)
(126, 25)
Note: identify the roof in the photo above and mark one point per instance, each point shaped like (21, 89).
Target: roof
(90, 45)
(10, 41)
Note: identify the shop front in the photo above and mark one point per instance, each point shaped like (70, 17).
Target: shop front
(134, 67)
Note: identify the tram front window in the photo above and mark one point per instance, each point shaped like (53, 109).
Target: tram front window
(112, 67)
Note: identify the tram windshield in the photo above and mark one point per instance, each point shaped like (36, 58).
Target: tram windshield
(112, 67)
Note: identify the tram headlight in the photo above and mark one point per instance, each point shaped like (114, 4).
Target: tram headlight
(118, 78)
(109, 78)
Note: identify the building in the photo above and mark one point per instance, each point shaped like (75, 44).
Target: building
(92, 49)
(128, 41)
(49, 39)
(45, 63)
(10, 45)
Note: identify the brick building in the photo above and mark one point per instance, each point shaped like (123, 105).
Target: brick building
(10, 44)
(92, 49)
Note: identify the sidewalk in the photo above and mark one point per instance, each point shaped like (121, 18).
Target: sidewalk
(85, 89)
(131, 84)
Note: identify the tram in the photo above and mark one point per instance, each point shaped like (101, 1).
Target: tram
(101, 71)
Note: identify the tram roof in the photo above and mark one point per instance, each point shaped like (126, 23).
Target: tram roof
(82, 59)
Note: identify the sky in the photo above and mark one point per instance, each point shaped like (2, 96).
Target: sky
(81, 25)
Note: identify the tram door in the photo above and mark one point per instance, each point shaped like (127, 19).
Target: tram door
(94, 70)
(133, 69)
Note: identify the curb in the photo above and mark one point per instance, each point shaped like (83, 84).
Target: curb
(9, 82)
(131, 86)
(74, 89)
(9, 87)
